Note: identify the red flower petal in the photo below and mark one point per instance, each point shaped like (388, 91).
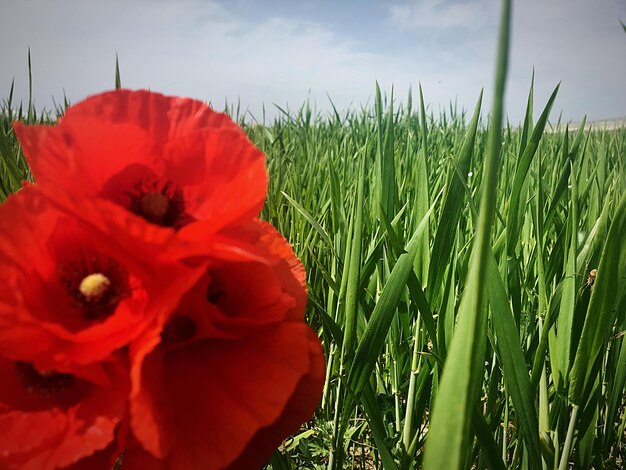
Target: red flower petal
(46, 316)
(256, 240)
(298, 410)
(169, 160)
(253, 280)
(257, 245)
(200, 406)
(136, 458)
(49, 422)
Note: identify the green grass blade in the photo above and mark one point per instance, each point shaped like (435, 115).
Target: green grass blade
(352, 287)
(528, 116)
(513, 362)
(30, 117)
(616, 395)
(448, 439)
(372, 341)
(452, 207)
(314, 223)
(385, 189)
(485, 440)
(516, 213)
(565, 319)
(377, 426)
(118, 80)
(608, 289)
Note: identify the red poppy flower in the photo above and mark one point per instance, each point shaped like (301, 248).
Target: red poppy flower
(170, 161)
(253, 280)
(51, 419)
(234, 370)
(213, 402)
(71, 294)
(222, 365)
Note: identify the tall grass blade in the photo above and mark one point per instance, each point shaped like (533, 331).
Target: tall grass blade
(385, 188)
(608, 290)
(118, 80)
(516, 214)
(30, 117)
(452, 207)
(314, 223)
(528, 116)
(448, 439)
(372, 341)
(513, 362)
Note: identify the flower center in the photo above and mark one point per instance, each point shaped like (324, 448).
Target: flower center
(154, 205)
(215, 291)
(94, 286)
(178, 329)
(158, 202)
(45, 383)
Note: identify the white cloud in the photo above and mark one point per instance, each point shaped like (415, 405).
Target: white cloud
(209, 51)
(577, 42)
(204, 50)
(440, 14)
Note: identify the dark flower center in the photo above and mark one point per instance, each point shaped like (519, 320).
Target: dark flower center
(44, 383)
(178, 329)
(95, 285)
(159, 203)
(216, 291)
(155, 205)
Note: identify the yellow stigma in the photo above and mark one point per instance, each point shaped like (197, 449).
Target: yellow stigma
(94, 286)
(155, 205)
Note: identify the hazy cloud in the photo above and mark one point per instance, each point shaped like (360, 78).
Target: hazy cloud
(440, 14)
(285, 54)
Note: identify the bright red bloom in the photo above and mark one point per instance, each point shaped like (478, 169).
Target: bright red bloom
(171, 161)
(235, 370)
(142, 235)
(253, 280)
(51, 419)
(71, 294)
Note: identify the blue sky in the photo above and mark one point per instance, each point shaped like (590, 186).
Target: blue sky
(283, 52)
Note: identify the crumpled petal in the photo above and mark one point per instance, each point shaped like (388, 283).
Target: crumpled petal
(109, 144)
(39, 319)
(42, 430)
(201, 405)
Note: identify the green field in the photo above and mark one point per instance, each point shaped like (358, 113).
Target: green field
(449, 281)
(381, 206)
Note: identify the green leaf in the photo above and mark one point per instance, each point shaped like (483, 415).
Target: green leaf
(352, 286)
(448, 440)
(608, 289)
(452, 207)
(377, 426)
(373, 339)
(486, 441)
(568, 300)
(318, 228)
(511, 356)
(616, 395)
(516, 214)
(118, 80)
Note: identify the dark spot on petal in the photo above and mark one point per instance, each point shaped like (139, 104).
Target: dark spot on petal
(215, 291)
(44, 383)
(178, 329)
